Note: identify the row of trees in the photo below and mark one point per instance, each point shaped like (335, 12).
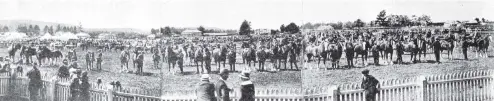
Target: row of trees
(33, 30)
(392, 20)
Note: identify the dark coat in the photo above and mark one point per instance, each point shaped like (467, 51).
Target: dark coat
(369, 84)
(34, 78)
(205, 91)
(247, 91)
(222, 91)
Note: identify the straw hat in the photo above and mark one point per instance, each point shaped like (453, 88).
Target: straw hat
(205, 77)
(245, 75)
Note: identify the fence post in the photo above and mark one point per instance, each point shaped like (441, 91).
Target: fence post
(422, 89)
(53, 88)
(109, 93)
(335, 92)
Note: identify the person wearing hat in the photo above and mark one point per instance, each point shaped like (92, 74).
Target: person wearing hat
(85, 86)
(400, 51)
(99, 60)
(156, 60)
(180, 60)
(464, 47)
(88, 61)
(437, 49)
(247, 88)
(140, 61)
(34, 76)
(205, 89)
(370, 86)
(63, 71)
(207, 59)
(222, 90)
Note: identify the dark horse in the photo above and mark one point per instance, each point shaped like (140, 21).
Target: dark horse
(199, 58)
(219, 55)
(45, 54)
(349, 53)
(386, 50)
(362, 50)
(13, 49)
(249, 55)
(481, 44)
(336, 51)
(172, 58)
(28, 53)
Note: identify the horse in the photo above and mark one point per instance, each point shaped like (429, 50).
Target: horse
(362, 50)
(448, 46)
(28, 52)
(219, 55)
(335, 51)
(13, 49)
(248, 56)
(349, 53)
(320, 51)
(199, 59)
(171, 55)
(46, 54)
(124, 59)
(232, 55)
(284, 52)
(482, 44)
(412, 48)
(386, 50)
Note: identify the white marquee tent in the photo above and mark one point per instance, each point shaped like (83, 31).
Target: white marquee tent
(46, 36)
(64, 36)
(82, 35)
(13, 36)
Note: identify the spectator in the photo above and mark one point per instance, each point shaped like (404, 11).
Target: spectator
(85, 86)
(140, 61)
(63, 71)
(156, 59)
(99, 59)
(89, 64)
(437, 49)
(247, 89)
(74, 89)
(34, 76)
(205, 89)
(223, 92)
(370, 86)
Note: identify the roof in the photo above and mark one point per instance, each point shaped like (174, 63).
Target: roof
(191, 31)
(216, 34)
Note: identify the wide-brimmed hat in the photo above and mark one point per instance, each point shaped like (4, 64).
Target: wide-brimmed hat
(245, 75)
(223, 72)
(205, 77)
(366, 71)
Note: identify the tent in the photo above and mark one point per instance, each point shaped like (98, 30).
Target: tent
(152, 36)
(324, 28)
(13, 36)
(46, 36)
(64, 36)
(82, 35)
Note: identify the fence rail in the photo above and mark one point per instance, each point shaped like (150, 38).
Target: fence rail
(465, 86)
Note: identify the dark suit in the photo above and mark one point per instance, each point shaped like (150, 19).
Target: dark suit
(369, 84)
(222, 91)
(205, 91)
(34, 83)
(437, 49)
(248, 91)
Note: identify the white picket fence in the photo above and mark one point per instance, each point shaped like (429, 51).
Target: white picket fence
(467, 86)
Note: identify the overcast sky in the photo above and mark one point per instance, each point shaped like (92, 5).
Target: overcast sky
(146, 14)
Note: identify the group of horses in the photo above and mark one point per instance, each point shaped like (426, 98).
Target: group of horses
(416, 46)
(42, 53)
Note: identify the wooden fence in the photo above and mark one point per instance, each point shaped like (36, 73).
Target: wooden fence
(466, 86)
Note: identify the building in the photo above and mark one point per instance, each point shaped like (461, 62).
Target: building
(191, 33)
(107, 36)
(261, 31)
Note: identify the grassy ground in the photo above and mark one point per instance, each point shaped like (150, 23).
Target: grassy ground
(171, 82)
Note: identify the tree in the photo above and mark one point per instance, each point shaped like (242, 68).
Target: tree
(273, 32)
(358, 23)
(51, 30)
(483, 20)
(5, 28)
(424, 20)
(381, 17)
(37, 30)
(282, 28)
(202, 29)
(245, 28)
(166, 31)
(477, 19)
(59, 28)
(153, 31)
(46, 29)
(348, 25)
(292, 28)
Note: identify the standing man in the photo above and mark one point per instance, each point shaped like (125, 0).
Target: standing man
(205, 89)
(140, 61)
(180, 60)
(156, 59)
(223, 92)
(99, 59)
(93, 58)
(370, 86)
(63, 71)
(399, 52)
(88, 61)
(232, 59)
(207, 59)
(261, 56)
(375, 54)
(464, 47)
(437, 49)
(247, 89)
(34, 82)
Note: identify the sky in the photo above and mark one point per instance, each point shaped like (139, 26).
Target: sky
(228, 14)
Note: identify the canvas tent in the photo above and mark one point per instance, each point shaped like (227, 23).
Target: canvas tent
(46, 36)
(82, 35)
(64, 36)
(13, 36)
